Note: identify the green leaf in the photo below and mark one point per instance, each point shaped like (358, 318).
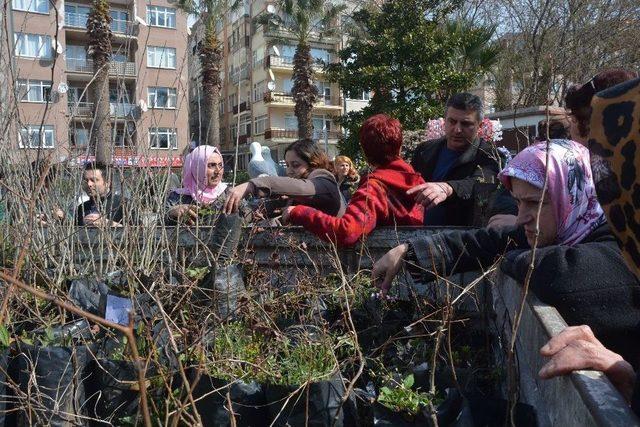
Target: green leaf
(4, 336)
(408, 381)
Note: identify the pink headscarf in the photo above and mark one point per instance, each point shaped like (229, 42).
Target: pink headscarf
(194, 175)
(570, 185)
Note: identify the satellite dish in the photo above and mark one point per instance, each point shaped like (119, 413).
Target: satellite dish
(140, 21)
(271, 8)
(63, 87)
(143, 105)
(271, 85)
(276, 51)
(273, 78)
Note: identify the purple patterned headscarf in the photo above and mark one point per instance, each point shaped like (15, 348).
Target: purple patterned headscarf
(570, 185)
(194, 175)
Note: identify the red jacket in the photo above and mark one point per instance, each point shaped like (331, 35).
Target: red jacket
(380, 200)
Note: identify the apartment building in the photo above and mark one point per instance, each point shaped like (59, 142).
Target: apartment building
(148, 77)
(256, 102)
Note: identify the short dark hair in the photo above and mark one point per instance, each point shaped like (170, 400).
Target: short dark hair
(466, 101)
(381, 139)
(310, 152)
(91, 166)
(578, 97)
(558, 128)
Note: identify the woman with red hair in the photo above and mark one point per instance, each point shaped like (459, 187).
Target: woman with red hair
(381, 198)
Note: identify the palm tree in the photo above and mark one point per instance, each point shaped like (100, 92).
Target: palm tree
(99, 31)
(302, 20)
(210, 52)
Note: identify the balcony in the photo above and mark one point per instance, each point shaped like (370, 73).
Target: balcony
(115, 68)
(243, 42)
(293, 134)
(80, 109)
(286, 62)
(116, 109)
(241, 75)
(121, 109)
(287, 99)
(79, 20)
(244, 106)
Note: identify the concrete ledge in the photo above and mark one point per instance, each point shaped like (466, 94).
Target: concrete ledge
(583, 398)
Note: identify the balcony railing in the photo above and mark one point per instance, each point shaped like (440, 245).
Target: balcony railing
(243, 42)
(116, 109)
(121, 109)
(287, 62)
(80, 109)
(293, 134)
(115, 68)
(244, 106)
(241, 75)
(287, 98)
(79, 20)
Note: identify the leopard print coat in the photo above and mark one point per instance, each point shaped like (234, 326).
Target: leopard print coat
(614, 142)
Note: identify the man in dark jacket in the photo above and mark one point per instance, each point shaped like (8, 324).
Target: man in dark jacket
(103, 207)
(452, 165)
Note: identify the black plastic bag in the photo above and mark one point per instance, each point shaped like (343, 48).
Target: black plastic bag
(113, 391)
(87, 293)
(315, 404)
(54, 380)
(247, 401)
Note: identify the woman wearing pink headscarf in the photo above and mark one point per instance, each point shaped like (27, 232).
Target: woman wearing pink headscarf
(578, 268)
(202, 186)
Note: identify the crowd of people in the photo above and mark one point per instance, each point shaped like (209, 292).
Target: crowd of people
(548, 198)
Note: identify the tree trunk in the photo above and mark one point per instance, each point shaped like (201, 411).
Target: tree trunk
(99, 31)
(101, 133)
(210, 60)
(305, 93)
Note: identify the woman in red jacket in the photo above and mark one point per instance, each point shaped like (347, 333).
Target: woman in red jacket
(381, 198)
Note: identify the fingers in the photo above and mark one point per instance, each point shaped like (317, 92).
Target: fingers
(576, 356)
(417, 188)
(564, 338)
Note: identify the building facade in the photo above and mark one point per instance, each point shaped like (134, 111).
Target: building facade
(148, 77)
(256, 103)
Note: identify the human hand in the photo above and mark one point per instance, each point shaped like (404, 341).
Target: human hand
(431, 194)
(286, 212)
(235, 196)
(576, 348)
(92, 220)
(501, 221)
(387, 267)
(185, 213)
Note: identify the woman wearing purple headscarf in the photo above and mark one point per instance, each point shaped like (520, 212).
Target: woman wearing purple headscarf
(202, 186)
(578, 268)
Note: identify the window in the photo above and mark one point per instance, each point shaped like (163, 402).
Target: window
(290, 122)
(34, 90)
(163, 138)
(38, 6)
(76, 94)
(258, 91)
(320, 55)
(233, 101)
(245, 126)
(80, 137)
(119, 21)
(158, 16)
(31, 136)
(360, 96)
(288, 86)
(260, 125)
(161, 57)
(161, 97)
(234, 132)
(33, 45)
(320, 125)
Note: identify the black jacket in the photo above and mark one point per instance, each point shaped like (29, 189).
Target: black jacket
(110, 206)
(588, 283)
(477, 164)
